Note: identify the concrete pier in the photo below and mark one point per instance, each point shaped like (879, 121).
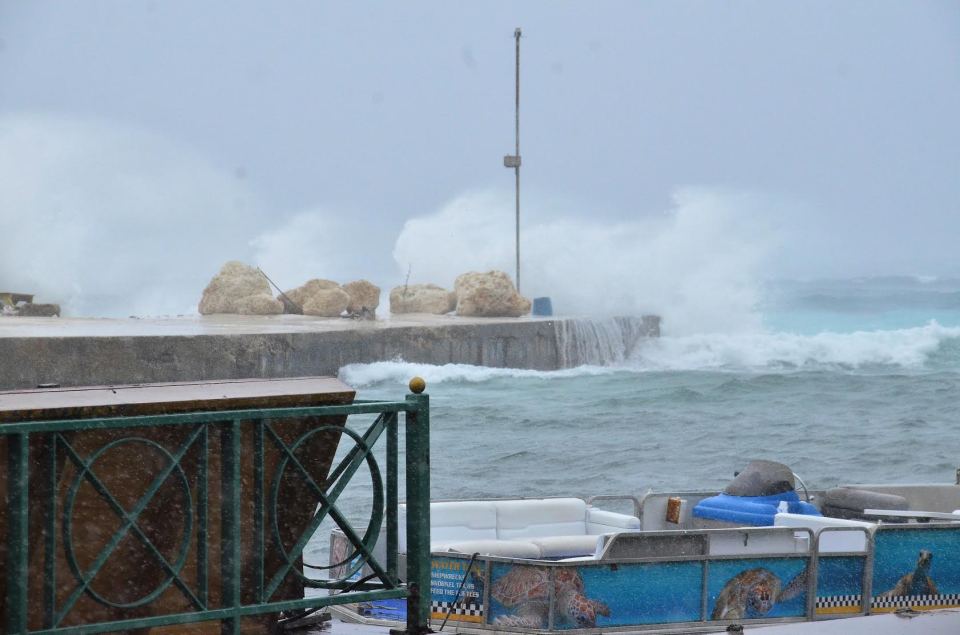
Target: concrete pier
(75, 351)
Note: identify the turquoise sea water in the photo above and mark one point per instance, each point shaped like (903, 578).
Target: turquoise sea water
(848, 381)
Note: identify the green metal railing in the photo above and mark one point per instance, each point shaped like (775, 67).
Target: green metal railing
(39, 453)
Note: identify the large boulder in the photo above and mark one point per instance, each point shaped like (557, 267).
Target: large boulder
(239, 288)
(363, 295)
(327, 303)
(422, 298)
(489, 294)
(308, 289)
(323, 298)
(260, 304)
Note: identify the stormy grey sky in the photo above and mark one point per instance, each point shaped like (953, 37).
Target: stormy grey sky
(841, 118)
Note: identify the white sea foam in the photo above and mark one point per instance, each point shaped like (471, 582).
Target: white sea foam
(398, 371)
(906, 349)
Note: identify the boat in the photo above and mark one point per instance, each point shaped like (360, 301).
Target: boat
(758, 553)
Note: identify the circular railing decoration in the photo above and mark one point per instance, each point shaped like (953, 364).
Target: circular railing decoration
(128, 523)
(351, 564)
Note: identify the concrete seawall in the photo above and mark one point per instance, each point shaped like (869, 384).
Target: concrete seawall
(74, 352)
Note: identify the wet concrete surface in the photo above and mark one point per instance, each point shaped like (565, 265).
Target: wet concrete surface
(21, 327)
(87, 352)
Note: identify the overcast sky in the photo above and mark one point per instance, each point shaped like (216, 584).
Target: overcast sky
(841, 117)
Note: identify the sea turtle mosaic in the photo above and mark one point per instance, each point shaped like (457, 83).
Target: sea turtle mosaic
(917, 582)
(753, 593)
(526, 590)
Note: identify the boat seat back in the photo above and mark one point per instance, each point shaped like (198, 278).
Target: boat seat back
(538, 518)
(850, 502)
(830, 541)
(455, 521)
(937, 497)
(569, 526)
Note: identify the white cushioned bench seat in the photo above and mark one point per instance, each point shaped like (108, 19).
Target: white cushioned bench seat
(830, 541)
(538, 518)
(566, 546)
(463, 520)
(550, 547)
(454, 521)
(600, 521)
(502, 548)
(545, 527)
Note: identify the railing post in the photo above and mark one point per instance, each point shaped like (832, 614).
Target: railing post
(18, 509)
(418, 511)
(230, 524)
(393, 496)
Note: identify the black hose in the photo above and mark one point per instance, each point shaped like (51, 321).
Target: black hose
(460, 590)
(300, 616)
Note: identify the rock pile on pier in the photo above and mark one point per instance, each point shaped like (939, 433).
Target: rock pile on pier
(245, 290)
(326, 298)
(422, 298)
(22, 304)
(364, 296)
(319, 297)
(489, 294)
(239, 288)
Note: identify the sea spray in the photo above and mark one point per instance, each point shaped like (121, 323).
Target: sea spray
(697, 265)
(141, 230)
(112, 220)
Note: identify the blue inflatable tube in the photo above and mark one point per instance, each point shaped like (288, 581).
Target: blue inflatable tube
(757, 511)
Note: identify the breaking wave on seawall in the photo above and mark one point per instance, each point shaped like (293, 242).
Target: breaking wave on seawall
(919, 347)
(928, 347)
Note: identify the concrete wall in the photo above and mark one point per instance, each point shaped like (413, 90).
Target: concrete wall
(26, 362)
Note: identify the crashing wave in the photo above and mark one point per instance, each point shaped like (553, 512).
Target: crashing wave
(591, 348)
(910, 348)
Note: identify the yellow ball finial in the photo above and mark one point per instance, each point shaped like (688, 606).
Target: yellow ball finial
(417, 385)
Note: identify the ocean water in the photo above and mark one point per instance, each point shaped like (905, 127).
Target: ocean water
(846, 381)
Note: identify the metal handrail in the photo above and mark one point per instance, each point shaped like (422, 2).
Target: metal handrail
(637, 504)
(40, 452)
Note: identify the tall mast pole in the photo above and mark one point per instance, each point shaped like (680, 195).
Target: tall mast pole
(514, 161)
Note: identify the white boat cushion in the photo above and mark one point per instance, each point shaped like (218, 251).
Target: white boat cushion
(830, 541)
(569, 518)
(537, 518)
(502, 548)
(600, 521)
(567, 546)
(455, 521)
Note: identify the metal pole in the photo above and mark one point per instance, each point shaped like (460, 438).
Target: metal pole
(418, 514)
(516, 35)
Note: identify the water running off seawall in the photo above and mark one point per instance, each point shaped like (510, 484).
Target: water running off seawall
(602, 342)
